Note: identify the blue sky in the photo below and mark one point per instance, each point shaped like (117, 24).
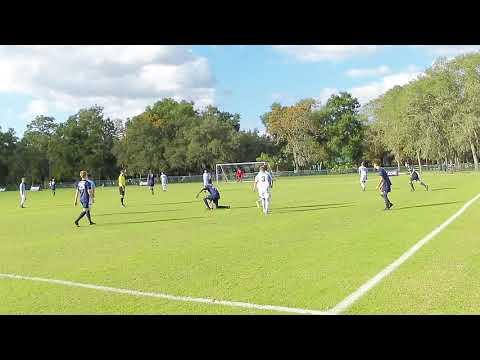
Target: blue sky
(59, 80)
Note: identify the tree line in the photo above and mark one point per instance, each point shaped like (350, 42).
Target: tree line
(432, 119)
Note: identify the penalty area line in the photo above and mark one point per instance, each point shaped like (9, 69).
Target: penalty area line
(362, 290)
(137, 293)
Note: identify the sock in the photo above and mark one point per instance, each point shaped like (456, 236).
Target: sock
(411, 184)
(267, 205)
(206, 203)
(82, 214)
(88, 216)
(121, 200)
(423, 184)
(385, 198)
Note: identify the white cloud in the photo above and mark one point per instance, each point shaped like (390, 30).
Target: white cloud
(378, 71)
(325, 95)
(450, 50)
(313, 53)
(34, 108)
(373, 89)
(123, 79)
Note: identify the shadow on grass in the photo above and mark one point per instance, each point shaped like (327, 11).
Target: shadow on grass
(151, 221)
(292, 207)
(137, 212)
(445, 188)
(315, 205)
(426, 205)
(175, 203)
(287, 210)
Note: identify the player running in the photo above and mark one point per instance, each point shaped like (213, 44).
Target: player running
(414, 177)
(84, 189)
(151, 181)
(362, 171)
(385, 185)
(212, 197)
(23, 193)
(52, 185)
(122, 184)
(263, 183)
(164, 180)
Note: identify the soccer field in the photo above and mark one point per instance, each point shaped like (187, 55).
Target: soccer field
(323, 240)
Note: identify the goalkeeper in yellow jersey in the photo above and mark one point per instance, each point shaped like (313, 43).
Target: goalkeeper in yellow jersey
(121, 186)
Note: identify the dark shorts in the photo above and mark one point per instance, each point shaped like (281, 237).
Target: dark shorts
(85, 205)
(215, 200)
(121, 190)
(151, 184)
(386, 189)
(414, 177)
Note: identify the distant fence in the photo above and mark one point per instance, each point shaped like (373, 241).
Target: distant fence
(249, 176)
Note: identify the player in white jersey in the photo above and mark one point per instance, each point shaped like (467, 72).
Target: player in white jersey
(206, 178)
(270, 178)
(262, 184)
(164, 180)
(23, 193)
(362, 171)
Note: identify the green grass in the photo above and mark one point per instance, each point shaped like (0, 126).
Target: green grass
(323, 240)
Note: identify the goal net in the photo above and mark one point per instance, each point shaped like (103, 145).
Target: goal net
(238, 172)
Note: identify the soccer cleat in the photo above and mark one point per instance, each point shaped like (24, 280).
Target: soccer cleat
(123, 206)
(390, 206)
(426, 187)
(92, 223)
(76, 223)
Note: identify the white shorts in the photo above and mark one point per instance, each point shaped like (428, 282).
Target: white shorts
(363, 179)
(264, 195)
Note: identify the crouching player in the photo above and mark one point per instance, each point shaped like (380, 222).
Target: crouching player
(263, 183)
(212, 197)
(414, 177)
(84, 191)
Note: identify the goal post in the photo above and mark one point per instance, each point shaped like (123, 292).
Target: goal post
(227, 171)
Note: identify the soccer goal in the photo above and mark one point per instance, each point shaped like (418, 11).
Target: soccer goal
(228, 172)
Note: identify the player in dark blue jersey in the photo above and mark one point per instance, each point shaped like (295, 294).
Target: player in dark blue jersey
(414, 177)
(384, 185)
(84, 192)
(212, 197)
(151, 181)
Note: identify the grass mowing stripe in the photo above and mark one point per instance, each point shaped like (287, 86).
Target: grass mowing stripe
(362, 290)
(167, 296)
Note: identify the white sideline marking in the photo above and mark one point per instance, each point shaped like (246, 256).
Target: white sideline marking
(167, 296)
(362, 290)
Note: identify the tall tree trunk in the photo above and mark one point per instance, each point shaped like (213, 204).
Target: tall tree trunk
(474, 154)
(419, 162)
(295, 163)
